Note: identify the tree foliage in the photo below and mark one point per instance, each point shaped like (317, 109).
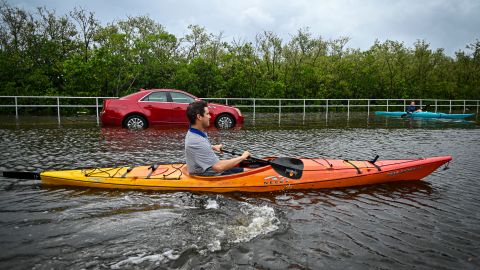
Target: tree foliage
(42, 53)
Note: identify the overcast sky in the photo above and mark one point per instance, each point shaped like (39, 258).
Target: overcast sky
(449, 24)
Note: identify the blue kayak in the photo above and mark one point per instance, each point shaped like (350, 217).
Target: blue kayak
(426, 115)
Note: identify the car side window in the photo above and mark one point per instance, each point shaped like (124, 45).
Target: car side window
(181, 98)
(156, 97)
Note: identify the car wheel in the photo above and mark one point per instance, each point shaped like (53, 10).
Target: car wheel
(135, 122)
(225, 121)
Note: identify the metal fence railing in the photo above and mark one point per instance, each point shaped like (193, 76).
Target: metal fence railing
(58, 104)
(256, 103)
(347, 104)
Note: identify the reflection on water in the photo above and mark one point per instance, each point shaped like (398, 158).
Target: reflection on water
(429, 224)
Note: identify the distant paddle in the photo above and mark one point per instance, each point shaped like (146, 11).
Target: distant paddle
(289, 167)
(424, 109)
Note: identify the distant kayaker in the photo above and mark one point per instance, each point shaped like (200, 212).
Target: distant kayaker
(199, 152)
(412, 108)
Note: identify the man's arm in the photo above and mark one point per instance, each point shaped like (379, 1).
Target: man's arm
(224, 165)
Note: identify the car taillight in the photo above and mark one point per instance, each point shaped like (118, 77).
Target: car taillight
(105, 104)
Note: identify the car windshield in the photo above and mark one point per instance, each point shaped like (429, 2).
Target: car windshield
(181, 98)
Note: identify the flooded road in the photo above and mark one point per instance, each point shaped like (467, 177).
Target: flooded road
(428, 224)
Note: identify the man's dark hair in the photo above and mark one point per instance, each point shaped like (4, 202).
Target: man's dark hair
(194, 108)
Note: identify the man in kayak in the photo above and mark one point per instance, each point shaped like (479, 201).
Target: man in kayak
(199, 153)
(412, 108)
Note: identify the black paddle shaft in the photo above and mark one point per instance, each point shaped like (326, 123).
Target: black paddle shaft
(288, 167)
(22, 175)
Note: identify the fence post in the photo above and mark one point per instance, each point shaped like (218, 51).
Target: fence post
(226, 101)
(254, 111)
(387, 105)
(348, 109)
(450, 111)
(436, 106)
(421, 103)
(58, 109)
(368, 108)
(279, 110)
(477, 108)
(326, 111)
(16, 109)
(404, 105)
(304, 111)
(464, 106)
(98, 118)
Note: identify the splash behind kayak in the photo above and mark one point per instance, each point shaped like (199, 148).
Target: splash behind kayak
(317, 174)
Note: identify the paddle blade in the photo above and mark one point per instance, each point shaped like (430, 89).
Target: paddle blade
(22, 175)
(289, 167)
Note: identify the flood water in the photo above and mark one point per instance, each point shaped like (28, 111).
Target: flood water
(430, 224)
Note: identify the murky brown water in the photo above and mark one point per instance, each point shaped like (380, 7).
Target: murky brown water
(433, 224)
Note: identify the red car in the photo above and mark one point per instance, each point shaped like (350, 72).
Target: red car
(162, 107)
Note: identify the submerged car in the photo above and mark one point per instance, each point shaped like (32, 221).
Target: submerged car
(162, 107)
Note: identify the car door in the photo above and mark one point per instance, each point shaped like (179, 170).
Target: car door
(180, 103)
(157, 107)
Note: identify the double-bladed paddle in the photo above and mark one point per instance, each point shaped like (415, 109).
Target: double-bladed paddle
(21, 175)
(289, 167)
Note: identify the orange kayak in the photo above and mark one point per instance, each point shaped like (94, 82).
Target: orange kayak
(317, 173)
